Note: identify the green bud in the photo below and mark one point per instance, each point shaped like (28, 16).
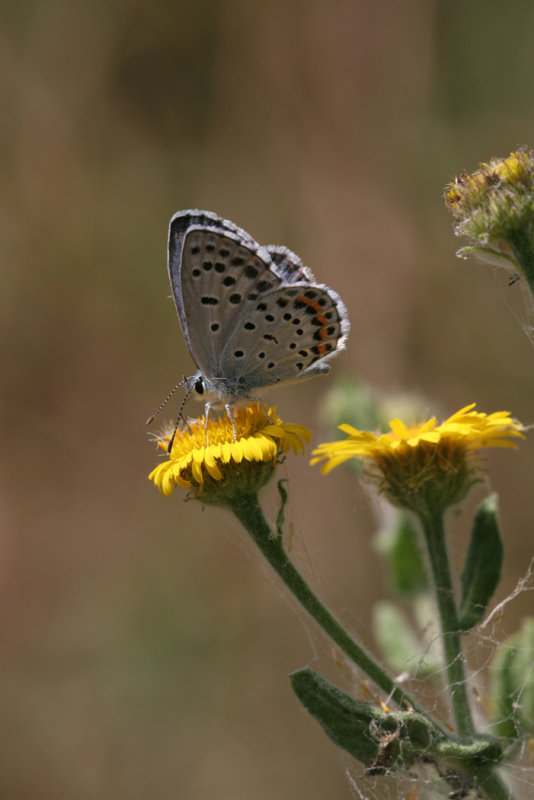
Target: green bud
(350, 400)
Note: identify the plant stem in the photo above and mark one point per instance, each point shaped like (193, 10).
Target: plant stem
(522, 249)
(248, 511)
(439, 562)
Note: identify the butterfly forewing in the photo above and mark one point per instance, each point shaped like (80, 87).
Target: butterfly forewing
(220, 279)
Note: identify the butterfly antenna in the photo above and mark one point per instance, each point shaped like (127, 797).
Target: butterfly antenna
(155, 414)
(180, 417)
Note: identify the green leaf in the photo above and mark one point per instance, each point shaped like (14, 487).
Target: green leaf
(378, 738)
(348, 722)
(483, 564)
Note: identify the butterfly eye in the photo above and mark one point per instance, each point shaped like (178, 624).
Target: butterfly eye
(199, 386)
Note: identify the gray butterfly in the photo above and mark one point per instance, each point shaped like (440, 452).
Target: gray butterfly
(251, 316)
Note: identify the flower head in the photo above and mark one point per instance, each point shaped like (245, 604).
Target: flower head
(494, 204)
(217, 463)
(427, 463)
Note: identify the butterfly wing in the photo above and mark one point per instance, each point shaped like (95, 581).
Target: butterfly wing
(251, 316)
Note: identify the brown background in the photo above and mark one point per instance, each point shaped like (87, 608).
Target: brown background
(145, 650)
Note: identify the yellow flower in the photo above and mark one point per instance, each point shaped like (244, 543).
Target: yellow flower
(215, 463)
(425, 463)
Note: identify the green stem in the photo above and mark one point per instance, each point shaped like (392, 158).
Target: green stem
(248, 511)
(522, 249)
(439, 562)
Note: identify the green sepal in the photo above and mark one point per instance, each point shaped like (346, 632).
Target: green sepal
(486, 254)
(512, 684)
(483, 564)
(381, 740)
(402, 649)
(399, 543)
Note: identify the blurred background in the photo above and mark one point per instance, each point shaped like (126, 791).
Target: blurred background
(145, 649)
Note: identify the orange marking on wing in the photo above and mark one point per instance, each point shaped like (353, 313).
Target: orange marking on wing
(308, 302)
(320, 318)
(316, 307)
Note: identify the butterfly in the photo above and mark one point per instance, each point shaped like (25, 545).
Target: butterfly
(251, 316)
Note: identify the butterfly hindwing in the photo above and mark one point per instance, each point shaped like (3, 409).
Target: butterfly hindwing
(291, 333)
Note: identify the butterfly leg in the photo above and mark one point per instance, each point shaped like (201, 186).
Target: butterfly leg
(228, 410)
(207, 409)
(263, 407)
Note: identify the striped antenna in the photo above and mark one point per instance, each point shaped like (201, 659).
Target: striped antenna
(189, 389)
(155, 414)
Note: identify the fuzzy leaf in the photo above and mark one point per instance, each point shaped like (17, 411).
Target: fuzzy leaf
(380, 739)
(345, 720)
